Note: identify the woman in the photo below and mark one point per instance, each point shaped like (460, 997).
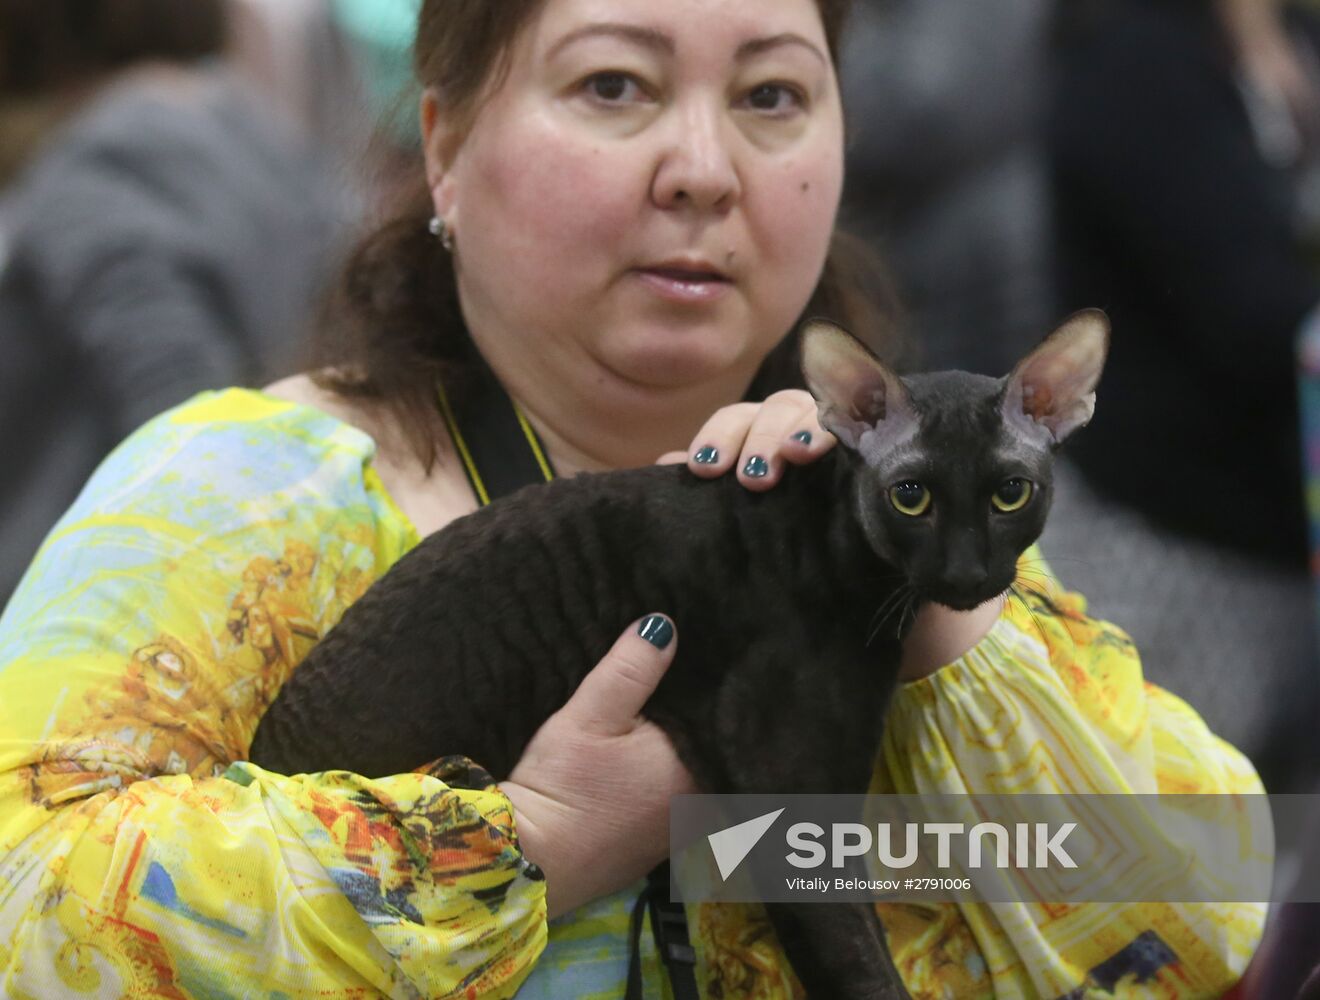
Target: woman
(633, 204)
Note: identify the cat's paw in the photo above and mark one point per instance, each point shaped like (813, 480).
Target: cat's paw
(757, 439)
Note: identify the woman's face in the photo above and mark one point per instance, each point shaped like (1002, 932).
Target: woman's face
(649, 196)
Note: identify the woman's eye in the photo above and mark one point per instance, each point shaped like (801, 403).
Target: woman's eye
(1012, 495)
(613, 88)
(910, 498)
(775, 98)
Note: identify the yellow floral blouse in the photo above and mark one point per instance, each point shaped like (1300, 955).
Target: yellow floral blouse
(141, 856)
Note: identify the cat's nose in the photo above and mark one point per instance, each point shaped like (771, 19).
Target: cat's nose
(966, 578)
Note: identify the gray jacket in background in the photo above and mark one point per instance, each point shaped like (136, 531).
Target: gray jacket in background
(166, 241)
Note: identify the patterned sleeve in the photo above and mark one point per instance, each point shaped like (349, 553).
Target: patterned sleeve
(1050, 701)
(140, 855)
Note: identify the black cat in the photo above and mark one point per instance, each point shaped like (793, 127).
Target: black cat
(791, 603)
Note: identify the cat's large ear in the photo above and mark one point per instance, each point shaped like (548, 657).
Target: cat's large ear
(1052, 389)
(854, 389)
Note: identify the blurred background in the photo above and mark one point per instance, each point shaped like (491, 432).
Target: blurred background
(1016, 160)
(179, 179)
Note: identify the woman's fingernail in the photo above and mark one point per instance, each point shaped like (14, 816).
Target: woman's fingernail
(657, 630)
(707, 456)
(756, 467)
(803, 436)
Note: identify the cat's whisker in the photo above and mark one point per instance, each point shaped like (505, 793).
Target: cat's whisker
(899, 599)
(1053, 558)
(870, 625)
(1020, 592)
(892, 603)
(1037, 577)
(909, 607)
(1044, 595)
(887, 606)
(1034, 566)
(1048, 601)
(1028, 588)
(873, 627)
(1031, 573)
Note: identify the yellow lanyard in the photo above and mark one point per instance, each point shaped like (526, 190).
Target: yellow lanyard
(494, 423)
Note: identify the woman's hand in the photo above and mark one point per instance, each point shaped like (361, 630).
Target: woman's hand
(591, 791)
(758, 439)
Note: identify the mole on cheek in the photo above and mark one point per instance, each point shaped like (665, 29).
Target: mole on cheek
(806, 185)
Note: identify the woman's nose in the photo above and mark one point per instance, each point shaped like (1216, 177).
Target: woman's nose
(697, 165)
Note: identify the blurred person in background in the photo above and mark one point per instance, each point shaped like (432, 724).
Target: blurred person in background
(948, 175)
(1183, 148)
(166, 230)
(340, 72)
(946, 170)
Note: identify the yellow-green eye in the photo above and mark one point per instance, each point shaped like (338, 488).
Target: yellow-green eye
(1012, 495)
(909, 498)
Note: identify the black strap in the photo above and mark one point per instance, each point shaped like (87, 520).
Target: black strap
(669, 925)
(501, 453)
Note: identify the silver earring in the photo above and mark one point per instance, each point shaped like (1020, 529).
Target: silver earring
(440, 231)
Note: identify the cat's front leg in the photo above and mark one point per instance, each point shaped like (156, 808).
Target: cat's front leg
(817, 734)
(838, 950)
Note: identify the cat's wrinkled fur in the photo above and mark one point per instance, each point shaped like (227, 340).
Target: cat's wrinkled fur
(790, 604)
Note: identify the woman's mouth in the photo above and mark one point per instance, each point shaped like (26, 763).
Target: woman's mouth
(685, 284)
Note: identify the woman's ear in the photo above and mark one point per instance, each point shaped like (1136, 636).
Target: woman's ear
(439, 143)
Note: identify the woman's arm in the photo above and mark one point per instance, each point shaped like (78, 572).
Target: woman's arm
(140, 853)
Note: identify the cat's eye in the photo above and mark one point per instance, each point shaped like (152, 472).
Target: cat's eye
(910, 498)
(1012, 495)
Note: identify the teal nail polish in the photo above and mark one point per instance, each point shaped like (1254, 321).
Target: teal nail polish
(657, 630)
(707, 456)
(756, 467)
(803, 436)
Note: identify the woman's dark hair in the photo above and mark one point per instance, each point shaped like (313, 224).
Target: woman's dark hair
(49, 45)
(392, 327)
